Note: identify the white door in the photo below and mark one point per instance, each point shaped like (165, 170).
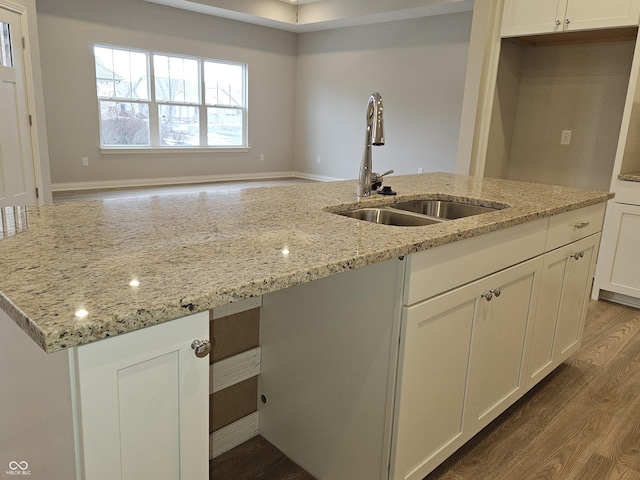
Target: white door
(17, 176)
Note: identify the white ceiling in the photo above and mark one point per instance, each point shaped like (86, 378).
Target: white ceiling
(300, 2)
(313, 15)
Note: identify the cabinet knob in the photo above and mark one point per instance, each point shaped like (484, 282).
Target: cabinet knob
(577, 255)
(488, 295)
(497, 292)
(567, 21)
(558, 22)
(201, 347)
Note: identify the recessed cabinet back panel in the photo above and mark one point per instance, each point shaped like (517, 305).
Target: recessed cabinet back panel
(542, 91)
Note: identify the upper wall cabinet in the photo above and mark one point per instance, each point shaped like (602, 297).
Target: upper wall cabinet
(530, 17)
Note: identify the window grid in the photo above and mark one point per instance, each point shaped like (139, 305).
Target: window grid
(178, 114)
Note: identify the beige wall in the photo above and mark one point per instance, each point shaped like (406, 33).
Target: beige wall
(419, 68)
(68, 31)
(581, 88)
(307, 92)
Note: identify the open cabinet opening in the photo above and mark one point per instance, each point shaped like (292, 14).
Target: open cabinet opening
(558, 107)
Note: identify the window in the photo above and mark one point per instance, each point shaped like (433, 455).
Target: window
(6, 59)
(152, 99)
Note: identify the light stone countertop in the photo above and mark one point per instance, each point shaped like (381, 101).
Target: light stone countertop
(194, 252)
(630, 177)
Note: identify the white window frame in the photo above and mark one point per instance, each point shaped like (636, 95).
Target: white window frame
(155, 146)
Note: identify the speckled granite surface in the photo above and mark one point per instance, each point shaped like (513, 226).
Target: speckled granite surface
(193, 252)
(630, 177)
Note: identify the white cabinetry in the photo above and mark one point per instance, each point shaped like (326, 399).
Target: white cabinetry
(621, 260)
(461, 365)
(504, 311)
(527, 17)
(560, 315)
(496, 315)
(142, 404)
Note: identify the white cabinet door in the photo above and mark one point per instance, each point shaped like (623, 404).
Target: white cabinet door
(530, 17)
(561, 311)
(621, 260)
(461, 365)
(505, 310)
(575, 295)
(593, 14)
(527, 17)
(142, 400)
(436, 338)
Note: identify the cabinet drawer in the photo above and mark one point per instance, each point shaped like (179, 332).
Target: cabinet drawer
(571, 226)
(443, 268)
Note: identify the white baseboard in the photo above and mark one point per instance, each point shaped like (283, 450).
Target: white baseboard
(317, 178)
(232, 435)
(151, 182)
(620, 298)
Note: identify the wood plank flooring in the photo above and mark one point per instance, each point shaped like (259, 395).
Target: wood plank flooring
(102, 194)
(255, 459)
(580, 423)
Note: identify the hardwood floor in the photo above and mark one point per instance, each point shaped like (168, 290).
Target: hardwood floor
(580, 423)
(102, 194)
(255, 459)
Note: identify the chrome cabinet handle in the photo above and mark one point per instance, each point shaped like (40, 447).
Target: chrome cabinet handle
(577, 255)
(491, 293)
(558, 22)
(567, 21)
(582, 225)
(202, 348)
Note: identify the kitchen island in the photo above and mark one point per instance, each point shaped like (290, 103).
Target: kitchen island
(88, 271)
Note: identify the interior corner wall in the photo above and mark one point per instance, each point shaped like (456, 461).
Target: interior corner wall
(68, 31)
(419, 68)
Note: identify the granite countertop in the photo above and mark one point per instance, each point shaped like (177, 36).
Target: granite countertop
(131, 263)
(630, 177)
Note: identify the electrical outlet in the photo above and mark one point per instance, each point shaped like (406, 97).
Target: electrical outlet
(318, 159)
(85, 161)
(420, 170)
(262, 157)
(565, 139)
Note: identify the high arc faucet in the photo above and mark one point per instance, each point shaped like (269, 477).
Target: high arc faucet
(374, 135)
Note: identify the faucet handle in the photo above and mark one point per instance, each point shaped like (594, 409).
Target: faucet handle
(376, 179)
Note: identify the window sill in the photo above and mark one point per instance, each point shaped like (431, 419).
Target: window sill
(165, 150)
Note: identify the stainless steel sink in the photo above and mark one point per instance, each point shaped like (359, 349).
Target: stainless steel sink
(443, 209)
(389, 216)
(415, 213)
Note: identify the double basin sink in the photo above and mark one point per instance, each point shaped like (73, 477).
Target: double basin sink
(416, 213)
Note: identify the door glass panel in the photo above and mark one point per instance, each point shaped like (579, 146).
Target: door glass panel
(6, 59)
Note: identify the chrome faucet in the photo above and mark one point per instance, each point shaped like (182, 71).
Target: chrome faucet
(374, 136)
